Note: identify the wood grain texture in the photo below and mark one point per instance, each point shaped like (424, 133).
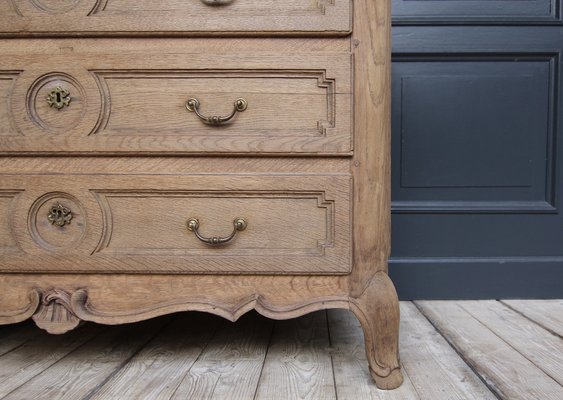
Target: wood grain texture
(230, 355)
(298, 365)
(372, 140)
(49, 46)
(506, 372)
(87, 367)
(18, 306)
(157, 370)
(121, 165)
(13, 336)
(55, 314)
(133, 101)
(230, 365)
(103, 17)
(374, 300)
(351, 378)
(535, 343)
(37, 354)
(138, 223)
(377, 309)
(434, 368)
(121, 298)
(307, 163)
(546, 313)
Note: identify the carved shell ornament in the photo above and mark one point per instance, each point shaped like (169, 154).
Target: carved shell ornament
(55, 313)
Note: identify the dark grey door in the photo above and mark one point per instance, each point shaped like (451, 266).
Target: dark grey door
(477, 149)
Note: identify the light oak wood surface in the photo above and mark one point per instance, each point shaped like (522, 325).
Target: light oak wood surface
(326, 17)
(138, 223)
(134, 101)
(102, 165)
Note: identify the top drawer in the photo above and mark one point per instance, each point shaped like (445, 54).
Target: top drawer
(181, 17)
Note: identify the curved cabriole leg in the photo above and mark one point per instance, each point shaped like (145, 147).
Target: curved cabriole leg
(377, 309)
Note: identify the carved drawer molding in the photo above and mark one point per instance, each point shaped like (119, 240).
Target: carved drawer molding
(197, 155)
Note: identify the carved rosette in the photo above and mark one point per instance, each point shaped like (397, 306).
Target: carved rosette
(55, 313)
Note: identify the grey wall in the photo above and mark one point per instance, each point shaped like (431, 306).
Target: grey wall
(477, 139)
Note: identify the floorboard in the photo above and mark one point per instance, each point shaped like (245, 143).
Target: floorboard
(507, 372)
(157, 370)
(547, 313)
(450, 350)
(298, 365)
(229, 367)
(435, 369)
(13, 336)
(539, 346)
(38, 351)
(86, 367)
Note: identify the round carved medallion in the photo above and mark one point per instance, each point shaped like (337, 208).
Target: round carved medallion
(57, 221)
(56, 102)
(55, 6)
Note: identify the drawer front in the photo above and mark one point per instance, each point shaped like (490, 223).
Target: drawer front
(189, 17)
(121, 102)
(139, 223)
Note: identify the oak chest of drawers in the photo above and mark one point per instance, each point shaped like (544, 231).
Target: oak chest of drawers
(207, 155)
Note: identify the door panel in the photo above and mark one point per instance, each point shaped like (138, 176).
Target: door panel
(466, 12)
(476, 143)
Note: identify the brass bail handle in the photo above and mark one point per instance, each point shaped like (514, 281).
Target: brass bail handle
(217, 2)
(239, 224)
(192, 105)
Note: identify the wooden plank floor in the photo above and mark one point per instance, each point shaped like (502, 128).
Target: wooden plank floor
(449, 350)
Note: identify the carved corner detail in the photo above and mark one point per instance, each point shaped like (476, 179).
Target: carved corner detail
(56, 313)
(24, 312)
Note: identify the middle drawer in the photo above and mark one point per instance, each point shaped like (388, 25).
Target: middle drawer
(134, 101)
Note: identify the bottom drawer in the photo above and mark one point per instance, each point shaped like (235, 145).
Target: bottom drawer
(177, 223)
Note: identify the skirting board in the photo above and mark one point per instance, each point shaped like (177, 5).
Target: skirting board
(448, 278)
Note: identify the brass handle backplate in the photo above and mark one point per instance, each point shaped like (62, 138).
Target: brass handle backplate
(58, 98)
(192, 105)
(59, 215)
(239, 225)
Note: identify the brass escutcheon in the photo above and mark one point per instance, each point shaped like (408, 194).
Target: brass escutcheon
(239, 224)
(192, 105)
(59, 215)
(58, 98)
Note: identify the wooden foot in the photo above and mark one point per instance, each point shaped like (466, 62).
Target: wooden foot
(377, 309)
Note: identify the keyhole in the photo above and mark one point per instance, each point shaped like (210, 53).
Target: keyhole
(59, 98)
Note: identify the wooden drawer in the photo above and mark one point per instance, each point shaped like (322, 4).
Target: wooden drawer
(103, 17)
(138, 223)
(135, 101)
